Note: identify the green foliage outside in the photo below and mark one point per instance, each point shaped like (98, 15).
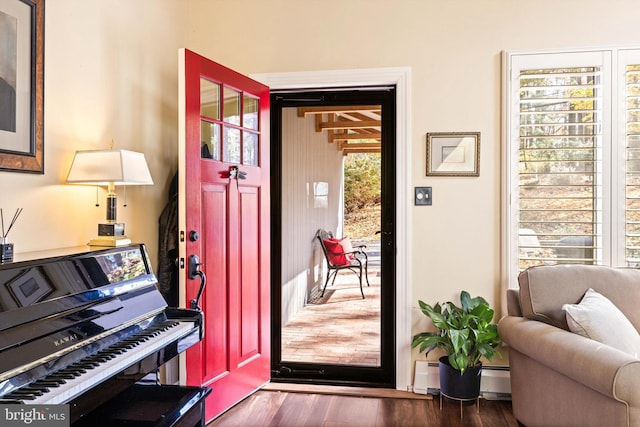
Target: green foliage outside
(361, 181)
(362, 185)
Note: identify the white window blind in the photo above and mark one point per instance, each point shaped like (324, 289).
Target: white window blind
(560, 165)
(632, 164)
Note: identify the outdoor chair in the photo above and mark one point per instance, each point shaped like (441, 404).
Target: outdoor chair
(341, 255)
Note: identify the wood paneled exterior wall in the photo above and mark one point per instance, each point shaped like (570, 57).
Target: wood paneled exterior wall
(309, 161)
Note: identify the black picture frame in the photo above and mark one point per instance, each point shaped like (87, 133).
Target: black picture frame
(30, 287)
(22, 66)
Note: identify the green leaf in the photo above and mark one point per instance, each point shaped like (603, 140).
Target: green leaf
(486, 350)
(465, 300)
(458, 338)
(484, 313)
(459, 362)
(439, 321)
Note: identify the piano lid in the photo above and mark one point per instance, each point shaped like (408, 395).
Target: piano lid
(52, 306)
(35, 289)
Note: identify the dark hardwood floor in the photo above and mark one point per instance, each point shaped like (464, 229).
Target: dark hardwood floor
(296, 409)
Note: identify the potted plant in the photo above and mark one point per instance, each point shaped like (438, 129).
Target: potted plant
(465, 334)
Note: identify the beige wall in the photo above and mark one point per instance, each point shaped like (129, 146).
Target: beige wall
(110, 73)
(453, 49)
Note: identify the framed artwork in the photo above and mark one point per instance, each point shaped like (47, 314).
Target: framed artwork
(30, 287)
(21, 86)
(453, 154)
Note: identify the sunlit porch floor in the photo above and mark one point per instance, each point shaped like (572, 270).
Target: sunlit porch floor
(339, 328)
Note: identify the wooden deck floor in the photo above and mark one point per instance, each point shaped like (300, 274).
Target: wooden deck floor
(340, 328)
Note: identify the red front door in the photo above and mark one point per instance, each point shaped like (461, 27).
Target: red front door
(224, 221)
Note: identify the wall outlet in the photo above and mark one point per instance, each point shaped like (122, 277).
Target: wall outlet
(422, 196)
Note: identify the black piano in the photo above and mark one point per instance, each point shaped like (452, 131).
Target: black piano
(89, 330)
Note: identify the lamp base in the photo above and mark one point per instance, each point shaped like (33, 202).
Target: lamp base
(110, 241)
(111, 229)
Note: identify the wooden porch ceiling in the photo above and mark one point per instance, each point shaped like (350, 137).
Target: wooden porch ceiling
(355, 128)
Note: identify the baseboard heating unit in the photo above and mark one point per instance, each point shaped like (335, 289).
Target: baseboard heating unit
(494, 385)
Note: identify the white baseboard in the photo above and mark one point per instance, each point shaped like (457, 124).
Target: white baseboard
(495, 382)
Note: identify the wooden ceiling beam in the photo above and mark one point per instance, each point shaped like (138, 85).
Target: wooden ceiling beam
(304, 111)
(357, 116)
(354, 151)
(366, 131)
(348, 124)
(344, 145)
(353, 136)
(318, 123)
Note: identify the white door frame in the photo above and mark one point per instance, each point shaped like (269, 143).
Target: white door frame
(401, 78)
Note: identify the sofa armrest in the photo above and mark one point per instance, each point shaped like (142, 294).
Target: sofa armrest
(596, 365)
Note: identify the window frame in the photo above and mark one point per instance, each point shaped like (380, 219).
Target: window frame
(613, 61)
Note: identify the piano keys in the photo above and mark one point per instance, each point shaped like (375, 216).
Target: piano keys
(83, 328)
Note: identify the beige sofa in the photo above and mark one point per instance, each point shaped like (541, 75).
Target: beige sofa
(559, 378)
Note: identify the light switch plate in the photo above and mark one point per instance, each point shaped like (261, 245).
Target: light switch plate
(422, 196)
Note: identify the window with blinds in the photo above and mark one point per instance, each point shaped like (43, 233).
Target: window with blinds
(559, 177)
(632, 169)
(571, 158)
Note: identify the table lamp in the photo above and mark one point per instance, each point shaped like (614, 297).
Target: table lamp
(109, 168)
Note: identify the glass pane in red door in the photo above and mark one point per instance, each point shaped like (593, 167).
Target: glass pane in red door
(231, 106)
(250, 148)
(251, 107)
(209, 99)
(231, 145)
(210, 137)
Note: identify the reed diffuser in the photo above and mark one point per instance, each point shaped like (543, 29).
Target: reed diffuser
(6, 249)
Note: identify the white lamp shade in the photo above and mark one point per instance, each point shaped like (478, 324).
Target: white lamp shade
(100, 167)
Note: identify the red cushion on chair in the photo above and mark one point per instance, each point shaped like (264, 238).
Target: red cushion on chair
(337, 250)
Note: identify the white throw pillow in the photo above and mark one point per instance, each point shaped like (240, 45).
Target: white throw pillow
(596, 317)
